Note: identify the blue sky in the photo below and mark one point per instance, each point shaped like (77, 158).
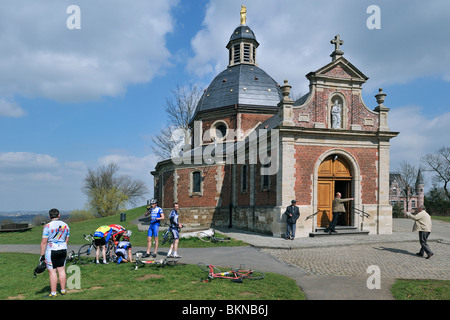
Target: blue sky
(76, 99)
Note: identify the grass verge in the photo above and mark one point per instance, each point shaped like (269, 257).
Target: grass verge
(120, 282)
(421, 290)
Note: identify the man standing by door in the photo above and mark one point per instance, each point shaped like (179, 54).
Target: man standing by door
(338, 208)
(292, 214)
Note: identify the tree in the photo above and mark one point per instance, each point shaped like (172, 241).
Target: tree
(108, 193)
(439, 163)
(180, 108)
(436, 202)
(406, 183)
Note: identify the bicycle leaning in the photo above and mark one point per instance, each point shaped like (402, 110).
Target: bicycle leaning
(211, 237)
(87, 251)
(167, 236)
(235, 275)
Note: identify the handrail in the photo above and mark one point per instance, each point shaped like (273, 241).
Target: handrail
(361, 213)
(312, 215)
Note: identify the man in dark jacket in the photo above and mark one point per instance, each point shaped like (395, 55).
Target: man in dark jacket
(292, 214)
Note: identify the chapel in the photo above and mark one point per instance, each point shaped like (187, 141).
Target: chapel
(252, 150)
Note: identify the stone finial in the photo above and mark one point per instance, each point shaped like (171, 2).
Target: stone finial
(380, 97)
(286, 91)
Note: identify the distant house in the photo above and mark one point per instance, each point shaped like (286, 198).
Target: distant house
(397, 195)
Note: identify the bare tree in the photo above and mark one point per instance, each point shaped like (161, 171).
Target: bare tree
(108, 193)
(439, 163)
(180, 108)
(407, 178)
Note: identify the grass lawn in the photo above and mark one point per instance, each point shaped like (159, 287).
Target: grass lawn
(120, 282)
(78, 229)
(421, 290)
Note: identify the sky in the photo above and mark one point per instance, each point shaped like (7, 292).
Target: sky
(80, 89)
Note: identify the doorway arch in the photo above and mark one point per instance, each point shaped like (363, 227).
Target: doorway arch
(335, 171)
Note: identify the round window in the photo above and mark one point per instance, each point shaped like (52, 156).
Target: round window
(221, 131)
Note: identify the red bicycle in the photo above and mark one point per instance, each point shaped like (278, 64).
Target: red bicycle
(235, 275)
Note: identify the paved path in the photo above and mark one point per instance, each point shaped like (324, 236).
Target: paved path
(329, 268)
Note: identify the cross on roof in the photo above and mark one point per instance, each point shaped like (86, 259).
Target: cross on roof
(337, 42)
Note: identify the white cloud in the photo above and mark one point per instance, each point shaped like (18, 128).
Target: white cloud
(118, 44)
(10, 109)
(419, 134)
(295, 36)
(135, 167)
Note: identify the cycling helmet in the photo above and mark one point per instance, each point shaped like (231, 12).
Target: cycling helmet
(153, 201)
(40, 268)
(126, 238)
(128, 233)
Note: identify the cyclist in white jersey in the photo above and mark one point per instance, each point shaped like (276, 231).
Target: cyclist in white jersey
(54, 250)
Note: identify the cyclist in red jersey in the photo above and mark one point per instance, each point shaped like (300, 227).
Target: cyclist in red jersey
(118, 231)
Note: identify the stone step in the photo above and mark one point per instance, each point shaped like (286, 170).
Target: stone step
(341, 230)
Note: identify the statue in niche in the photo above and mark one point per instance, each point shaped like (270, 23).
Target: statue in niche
(336, 115)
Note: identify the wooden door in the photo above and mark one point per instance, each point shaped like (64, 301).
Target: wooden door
(325, 198)
(334, 176)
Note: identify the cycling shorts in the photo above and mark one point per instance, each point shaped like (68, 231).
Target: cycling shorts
(176, 234)
(100, 242)
(55, 258)
(153, 230)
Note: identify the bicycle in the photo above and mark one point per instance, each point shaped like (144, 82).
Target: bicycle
(167, 236)
(87, 251)
(140, 263)
(235, 275)
(206, 237)
(72, 257)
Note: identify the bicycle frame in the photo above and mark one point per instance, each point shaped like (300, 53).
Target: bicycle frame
(236, 274)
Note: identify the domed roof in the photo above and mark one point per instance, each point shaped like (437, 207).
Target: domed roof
(243, 85)
(243, 32)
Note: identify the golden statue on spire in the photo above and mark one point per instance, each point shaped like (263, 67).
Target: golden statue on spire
(243, 15)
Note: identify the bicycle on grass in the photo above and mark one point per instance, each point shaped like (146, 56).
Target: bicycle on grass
(235, 275)
(72, 257)
(140, 263)
(87, 251)
(207, 237)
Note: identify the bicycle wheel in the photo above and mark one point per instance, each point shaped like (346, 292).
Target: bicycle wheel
(216, 239)
(204, 236)
(110, 251)
(204, 267)
(86, 253)
(167, 237)
(251, 274)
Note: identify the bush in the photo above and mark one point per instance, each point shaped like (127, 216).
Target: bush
(81, 215)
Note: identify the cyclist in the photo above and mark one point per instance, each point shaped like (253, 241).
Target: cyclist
(174, 227)
(118, 231)
(156, 215)
(123, 251)
(101, 237)
(54, 250)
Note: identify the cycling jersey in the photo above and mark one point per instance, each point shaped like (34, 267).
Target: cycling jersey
(103, 232)
(117, 231)
(122, 249)
(57, 233)
(173, 218)
(155, 213)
